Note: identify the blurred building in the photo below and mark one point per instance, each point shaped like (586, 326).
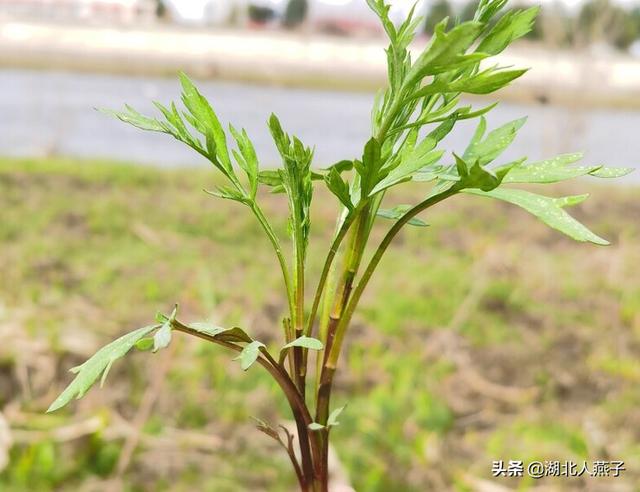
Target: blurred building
(204, 12)
(94, 11)
(339, 16)
(348, 16)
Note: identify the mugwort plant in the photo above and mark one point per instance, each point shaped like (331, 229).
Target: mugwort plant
(411, 116)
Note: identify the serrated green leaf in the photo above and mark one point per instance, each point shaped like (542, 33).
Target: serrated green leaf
(249, 354)
(208, 121)
(341, 166)
(611, 172)
(487, 149)
(482, 178)
(444, 128)
(229, 193)
(511, 26)
(333, 416)
(89, 372)
(549, 171)
(571, 200)
(203, 119)
(487, 81)
(398, 58)
(397, 212)
(247, 160)
(338, 187)
(369, 168)
(487, 9)
(296, 179)
(476, 139)
(281, 139)
(270, 178)
(559, 169)
(105, 373)
(484, 82)
(414, 158)
(475, 176)
(446, 49)
(478, 112)
(445, 173)
(548, 210)
(132, 117)
(407, 168)
(176, 127)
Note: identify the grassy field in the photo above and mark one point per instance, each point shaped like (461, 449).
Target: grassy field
(486, 336)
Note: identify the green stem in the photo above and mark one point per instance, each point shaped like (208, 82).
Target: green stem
(299, 362)
(338, 324)
(289, 335)
(373, 263)
(320, 289)
(388, 121)
(333, 250)
(354, 252)
(354, 255)
(344, 301)
(323, 329)
(283, 263)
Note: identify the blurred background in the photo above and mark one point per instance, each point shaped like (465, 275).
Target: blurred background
(490, 338)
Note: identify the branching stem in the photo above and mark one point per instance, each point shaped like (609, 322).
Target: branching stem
(373, 263)
(309, 445)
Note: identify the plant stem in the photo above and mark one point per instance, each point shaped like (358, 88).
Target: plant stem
(342, 322)
(283, 263)
(323, 328)
(344, 302)
(353, 258)
(299, 367)
(289, 334)
(309, 446)
(373, 263)
(386, 124)
(337, 241)
(354, 254)
(322, 411)
(326, 269)
(296, 466)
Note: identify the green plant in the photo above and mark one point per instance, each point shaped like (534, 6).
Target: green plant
(421, 94)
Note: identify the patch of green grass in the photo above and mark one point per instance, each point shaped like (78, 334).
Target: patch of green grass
(92, 249)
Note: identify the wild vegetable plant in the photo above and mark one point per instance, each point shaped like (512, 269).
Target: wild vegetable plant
(420, 106)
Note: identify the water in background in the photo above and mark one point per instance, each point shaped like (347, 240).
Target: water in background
(52, 113)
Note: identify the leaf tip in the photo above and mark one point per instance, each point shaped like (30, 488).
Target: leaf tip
(184, 79)
(600, 241)
(53, 407)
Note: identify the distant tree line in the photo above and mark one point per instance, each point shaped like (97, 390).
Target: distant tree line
(596, 21)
